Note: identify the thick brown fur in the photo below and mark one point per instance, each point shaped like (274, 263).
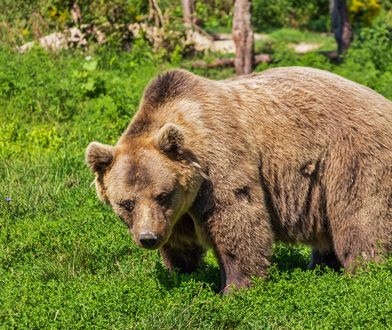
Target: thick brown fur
(294, 154)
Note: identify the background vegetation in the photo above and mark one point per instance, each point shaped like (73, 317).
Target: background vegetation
(65, 260)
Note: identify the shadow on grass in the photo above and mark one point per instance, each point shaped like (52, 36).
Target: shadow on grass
(286, 258)
(207, 274)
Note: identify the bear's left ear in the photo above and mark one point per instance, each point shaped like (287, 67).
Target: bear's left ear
(170, 140)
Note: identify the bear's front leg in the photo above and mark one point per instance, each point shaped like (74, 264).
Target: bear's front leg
(242, 241)
(183, 252)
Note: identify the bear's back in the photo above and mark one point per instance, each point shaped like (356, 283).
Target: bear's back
(292, 84)
(307, 102)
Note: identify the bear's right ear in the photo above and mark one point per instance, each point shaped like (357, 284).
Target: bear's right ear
(99, 156)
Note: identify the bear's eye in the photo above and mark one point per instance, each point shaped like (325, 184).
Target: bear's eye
(127, 205)
(163, 199)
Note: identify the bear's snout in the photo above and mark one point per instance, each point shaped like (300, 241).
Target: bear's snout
(148, 239)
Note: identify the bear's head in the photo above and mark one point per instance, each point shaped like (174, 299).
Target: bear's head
(149, 182)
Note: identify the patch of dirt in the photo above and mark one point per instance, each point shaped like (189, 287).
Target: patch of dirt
(223, 42)
(304, 47)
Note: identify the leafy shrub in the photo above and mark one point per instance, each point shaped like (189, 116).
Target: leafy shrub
(363, 12)
(290, 13)
(215, 14)
(386, 4)
(369, 60)
(24, 20)
(373, 45)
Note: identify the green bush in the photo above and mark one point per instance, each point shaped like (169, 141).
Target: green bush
(373, 45)
(25, 20)
(291, 13)
(369, 60)
(215, 15)
(363, 12)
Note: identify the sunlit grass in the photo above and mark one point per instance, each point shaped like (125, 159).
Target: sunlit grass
(67, 262)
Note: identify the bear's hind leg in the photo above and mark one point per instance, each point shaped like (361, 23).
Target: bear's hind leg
(183, 252)
(354, 246)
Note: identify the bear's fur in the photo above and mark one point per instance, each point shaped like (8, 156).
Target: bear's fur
(297, 155)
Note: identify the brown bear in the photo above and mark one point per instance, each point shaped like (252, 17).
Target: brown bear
(293, 154)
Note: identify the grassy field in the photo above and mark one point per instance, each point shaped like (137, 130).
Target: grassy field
(67, 262)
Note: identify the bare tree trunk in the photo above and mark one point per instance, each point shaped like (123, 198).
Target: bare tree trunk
(341, 25)
(156, 13)
(188, 9)
(243, 37)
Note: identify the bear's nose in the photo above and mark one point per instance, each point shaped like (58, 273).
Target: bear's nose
(148, 239)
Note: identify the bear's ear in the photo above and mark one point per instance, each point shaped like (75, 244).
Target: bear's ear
(170, 140)
(99, 156)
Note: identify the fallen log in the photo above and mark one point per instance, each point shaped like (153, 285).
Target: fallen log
(228, 62)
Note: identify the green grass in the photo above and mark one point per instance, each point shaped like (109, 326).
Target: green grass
(287, 36)
(67, 262)
(290, 35)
